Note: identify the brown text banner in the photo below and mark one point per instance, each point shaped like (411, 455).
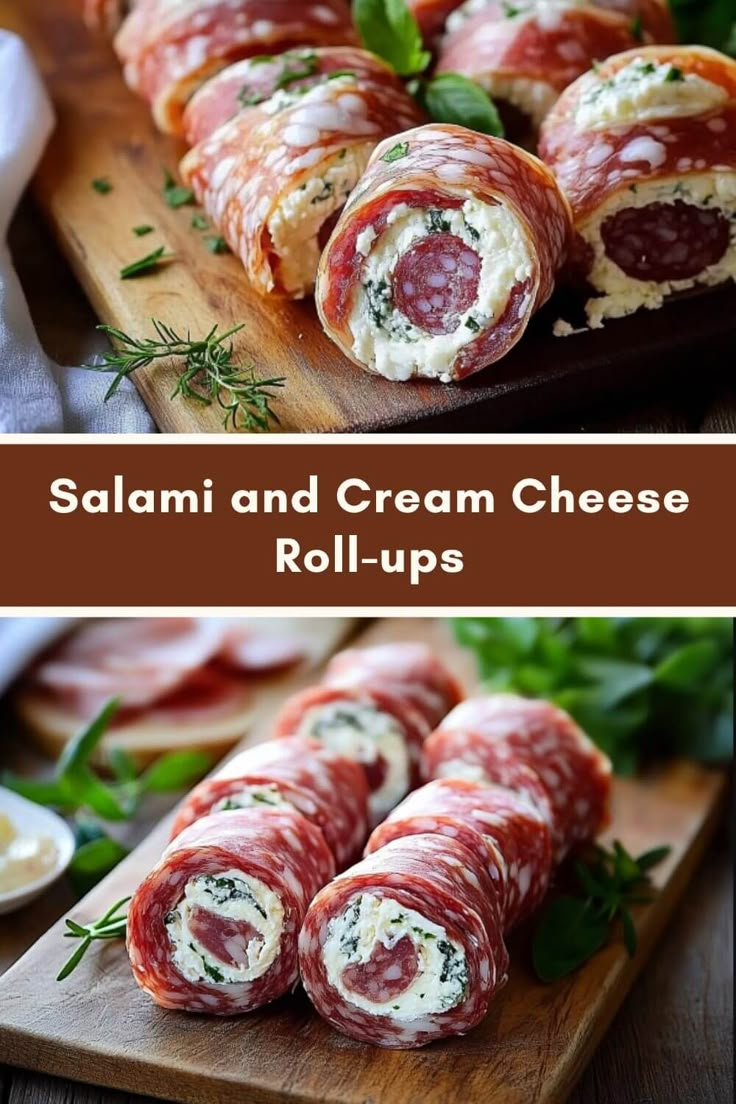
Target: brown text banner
(251, 523)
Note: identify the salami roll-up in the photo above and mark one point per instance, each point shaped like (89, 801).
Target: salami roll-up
(413, 669)
(378, 729)
(645, 148)
(496, 823)
(276, 176)
(170, 47)
(493, 734)
(405, 947)
(443, 253)
(214, 926)
(524, 54)
(249, 83)
(327, 788)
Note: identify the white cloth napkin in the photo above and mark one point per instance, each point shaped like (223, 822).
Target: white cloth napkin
(36, 395)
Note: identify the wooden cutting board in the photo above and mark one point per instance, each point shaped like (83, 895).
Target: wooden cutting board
(104, 131)
(99, 1027)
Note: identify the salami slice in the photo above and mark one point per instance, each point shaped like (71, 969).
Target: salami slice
(406, 947)
(214, 926)
(327, 788)
(442, 255)
(170, 47)
(524, 54)
(377, 728)
(502, 730)
(413, 670)
(494, 822)
(645, 148)
(278, 172)
(253, 81)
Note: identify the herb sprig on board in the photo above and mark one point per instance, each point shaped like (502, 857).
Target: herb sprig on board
(573, 928)
(389, 29)
(641, 687)
(208, 373)
(110, 926)
(707, 22)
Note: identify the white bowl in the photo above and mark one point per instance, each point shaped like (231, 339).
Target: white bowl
(30, 819)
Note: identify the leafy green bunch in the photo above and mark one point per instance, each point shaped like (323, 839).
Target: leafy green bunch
(388, 28)
(572, 928)
(77, 790)
(709, 22)
(641, 687)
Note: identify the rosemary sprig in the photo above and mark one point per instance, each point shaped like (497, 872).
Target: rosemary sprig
(208, 375)
(111, 926)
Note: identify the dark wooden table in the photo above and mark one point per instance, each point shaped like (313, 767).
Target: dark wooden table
(700, 398)
(670, 1043)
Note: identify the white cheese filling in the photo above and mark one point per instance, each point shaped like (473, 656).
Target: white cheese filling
(441, 979)
(548, 13)
(383, 338)
(295, 224)
(367, 736)
(534, 98)
(645, 90)
(622, 295)
(235, 896)
(252, 797)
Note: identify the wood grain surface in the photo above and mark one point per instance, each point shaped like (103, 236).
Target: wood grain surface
(531, 1048)
(103, 131)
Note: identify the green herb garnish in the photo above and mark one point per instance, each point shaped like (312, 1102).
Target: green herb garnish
(636, 29)
(217, 245)
(388, 28)
(396, 153)
(102, 185)
(673, 75)
(200, 221)
(111, 926)
(141, 231)
(208, 372)
(176, 195)
(453, 98)
(146, 264)
(573, 928)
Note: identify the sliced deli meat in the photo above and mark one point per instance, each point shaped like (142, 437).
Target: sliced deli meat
(447, 247)
(214, 927)
(524, 54)
(327, 788)
(378, 716)
(494, 822)
(645, 148)
(170, 47)
(275, 177)
(407, 946)
(487, 737)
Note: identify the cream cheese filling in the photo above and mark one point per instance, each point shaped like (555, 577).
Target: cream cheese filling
(250, 797)
(233, 895)
(441, 979)
(383, 338)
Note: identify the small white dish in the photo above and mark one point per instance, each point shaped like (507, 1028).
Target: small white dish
(30, 819)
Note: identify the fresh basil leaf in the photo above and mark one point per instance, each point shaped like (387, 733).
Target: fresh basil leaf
(453, 98)
(652, 858)
(78, 750)
(92, 861)
(619, 679)
(626, 868)
(122, 765)
(567, 935)
(175, 771)
(630, 936)
(52, 793)
(683, 669)
(388, 28)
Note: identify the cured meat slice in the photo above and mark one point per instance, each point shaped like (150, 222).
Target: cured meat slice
(524, 54)
(442, 255)
(431, 16)
(214, 926)
(376, 705)
(411, 669)
(378, 729)
(253, 81)
(406, 947)
(645, 149)
(492, 821)
(502, 730)
(327, 788)
(274, 175)
(170, 47)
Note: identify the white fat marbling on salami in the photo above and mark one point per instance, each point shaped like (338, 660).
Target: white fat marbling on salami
(383, 336)
(369, 927)
(233, 899)
(645, 90)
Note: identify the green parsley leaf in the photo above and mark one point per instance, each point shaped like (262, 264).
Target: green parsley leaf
(388, 28)
(396, 153)
(217, 245)
(175, 194)
(102, 185)
(200, 221)
(141, 231)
